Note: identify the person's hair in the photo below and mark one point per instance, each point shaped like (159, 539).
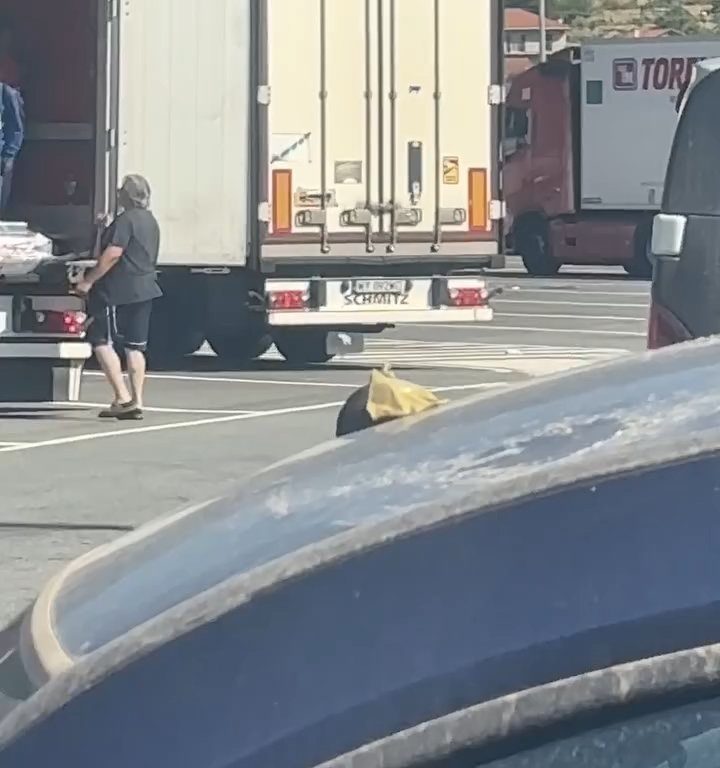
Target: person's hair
(137, 190)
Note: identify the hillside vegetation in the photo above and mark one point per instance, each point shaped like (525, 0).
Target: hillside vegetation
(610, 17)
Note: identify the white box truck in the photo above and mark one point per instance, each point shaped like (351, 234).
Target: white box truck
(628, 117)
(588, 139)
(317, 165)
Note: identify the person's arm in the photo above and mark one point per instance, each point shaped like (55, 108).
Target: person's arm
(106, 261)
(119, 241)
(13, 124)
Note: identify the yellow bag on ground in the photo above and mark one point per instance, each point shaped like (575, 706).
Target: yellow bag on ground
(384, 398)
(393, 398)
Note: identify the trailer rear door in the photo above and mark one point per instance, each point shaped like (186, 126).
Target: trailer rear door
(107, 106)
(185, 105)
(382, 142)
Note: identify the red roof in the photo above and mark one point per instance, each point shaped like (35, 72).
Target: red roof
(516, 65)
(519, 18)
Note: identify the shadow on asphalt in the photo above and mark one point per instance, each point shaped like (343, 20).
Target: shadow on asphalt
(32, 412)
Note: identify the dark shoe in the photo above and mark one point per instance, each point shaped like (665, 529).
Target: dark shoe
(120, 411)
(131, 414)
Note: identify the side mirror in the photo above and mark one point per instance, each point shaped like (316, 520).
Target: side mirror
(668, 236)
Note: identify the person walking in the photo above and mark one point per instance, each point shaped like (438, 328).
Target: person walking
(12, 112)
(121, 289)
(12, 135)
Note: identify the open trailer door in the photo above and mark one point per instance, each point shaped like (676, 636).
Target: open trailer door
(106, 119)
(66, 170)
(185, 96)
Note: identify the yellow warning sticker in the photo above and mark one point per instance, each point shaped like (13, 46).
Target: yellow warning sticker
(451, 170)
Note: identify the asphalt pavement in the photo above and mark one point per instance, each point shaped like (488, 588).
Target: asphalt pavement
(71, 482)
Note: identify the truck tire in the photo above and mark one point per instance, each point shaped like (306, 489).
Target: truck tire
(239, 349)
(641, 266)
(533, 244)
(302, 346)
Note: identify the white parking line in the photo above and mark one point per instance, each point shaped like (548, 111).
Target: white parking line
(165, 427)
(624, 318)
(525, 329)
(521, 289)
(593, 304)
(455, 388)
(469, 387)
(11, 445)
(232, 380)
(228, 380)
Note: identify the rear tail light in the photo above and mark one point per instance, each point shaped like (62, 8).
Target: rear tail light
(70, 323)
(664, 329)
(468, 297)
(288, 299)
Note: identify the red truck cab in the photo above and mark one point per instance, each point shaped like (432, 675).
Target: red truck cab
(542, 179)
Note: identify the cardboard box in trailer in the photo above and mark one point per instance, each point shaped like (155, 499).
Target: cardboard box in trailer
(588, 140)
(316, 166)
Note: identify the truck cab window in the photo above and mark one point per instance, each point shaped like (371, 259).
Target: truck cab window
(517, 123)
(517, 129)
(594, 92)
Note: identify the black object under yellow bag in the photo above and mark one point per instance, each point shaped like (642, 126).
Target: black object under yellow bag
(384, 398)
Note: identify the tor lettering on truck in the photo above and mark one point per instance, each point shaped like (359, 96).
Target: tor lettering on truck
(661, 73)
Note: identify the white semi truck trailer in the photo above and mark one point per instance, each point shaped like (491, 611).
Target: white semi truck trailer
(317, 166)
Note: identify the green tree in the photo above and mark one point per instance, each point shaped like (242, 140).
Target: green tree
(713, 15)
(571, 10)
(672, 14)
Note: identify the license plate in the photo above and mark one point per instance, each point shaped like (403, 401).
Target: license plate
(379, 286)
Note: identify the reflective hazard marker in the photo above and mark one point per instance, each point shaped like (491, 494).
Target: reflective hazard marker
(282, 202)
(477, 200)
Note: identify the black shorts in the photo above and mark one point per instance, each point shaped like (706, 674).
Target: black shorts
(127, 325)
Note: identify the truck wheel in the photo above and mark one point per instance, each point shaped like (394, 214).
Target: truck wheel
(240, 348)
(641, 266)
(302, 346)
(533, 244)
